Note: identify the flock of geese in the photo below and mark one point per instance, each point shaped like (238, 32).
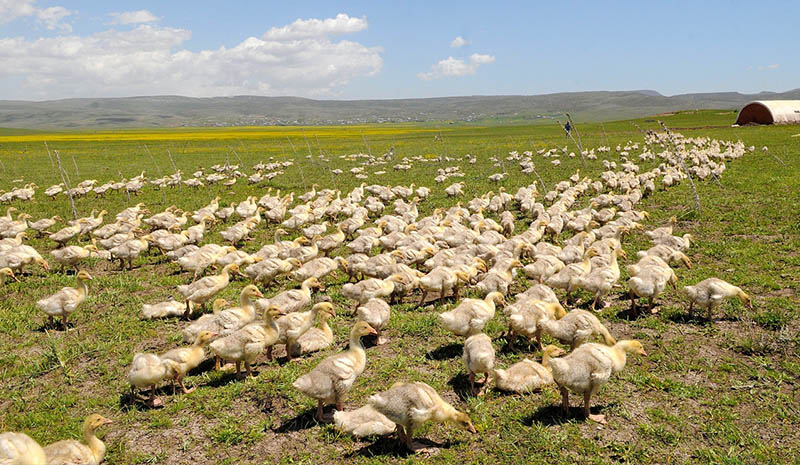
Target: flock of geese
(387, 258)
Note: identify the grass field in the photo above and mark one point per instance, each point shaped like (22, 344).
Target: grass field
(724, 392)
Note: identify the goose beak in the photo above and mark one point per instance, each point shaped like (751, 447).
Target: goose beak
(472, 429)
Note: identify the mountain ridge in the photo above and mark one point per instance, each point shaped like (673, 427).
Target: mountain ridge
(173, 110)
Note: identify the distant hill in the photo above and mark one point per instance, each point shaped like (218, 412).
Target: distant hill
(168, 111)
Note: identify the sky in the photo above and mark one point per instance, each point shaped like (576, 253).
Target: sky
(349, 50)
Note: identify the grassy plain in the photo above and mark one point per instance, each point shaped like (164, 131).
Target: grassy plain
(724, 392)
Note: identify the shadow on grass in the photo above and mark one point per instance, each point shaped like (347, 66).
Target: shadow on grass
(165, 393)
(390, 446)
(447, 352)
(686, 319)
(303, 421)
(55, 326)
(552, 415)
(460, 385)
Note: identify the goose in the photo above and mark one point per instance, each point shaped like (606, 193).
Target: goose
(44, 224)
(15, 227)
(64, 235)
(368, 289)
(363, 422)
(199, 292)
(526, 375)
(648, 280)
(576, 328)
(668, 254)
(331, 241)
(186, 359)
(566, 278)
(442, 280)
(267, 270)
(12, 242)
(543, 268)
(314, 230)
(194, 234)
(711, 292)
(65, 301)
(7, 273)
(497, 280)
(664, 230)
(130, 250)
(376, 312)
(248, 342)
(224, 322)
(455, 190)
(239, 257)
(681, 244)
(471, 315)
(331, 380)
(226, 212)
(70, 451)
(318, 268)
(526, 313)
(21, 449)
(478, 357)
(316, 339)
(600, 280)
(163, 309)
(292, 300)
(410, 405)
(198, 261)
(587, 368)
(72, 255)
(19, 257)
(293, 325)
(148, 370)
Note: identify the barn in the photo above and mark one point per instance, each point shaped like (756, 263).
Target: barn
(770, 112)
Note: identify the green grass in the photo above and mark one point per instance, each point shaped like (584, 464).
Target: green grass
(723, 392)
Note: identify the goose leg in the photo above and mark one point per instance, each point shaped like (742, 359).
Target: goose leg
(587, 398)
(564, 399)
(318, 415)
(401, 434)
(64, 321)
(154, 401)
(472, 384)
(183, 386)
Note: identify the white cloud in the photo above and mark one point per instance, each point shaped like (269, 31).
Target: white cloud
(765, 67)
(458, 42)
(151, 60)
(309, 28)
(456, 67)
(133, 17)
(51, 17)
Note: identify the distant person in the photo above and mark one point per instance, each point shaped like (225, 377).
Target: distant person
(567, 129)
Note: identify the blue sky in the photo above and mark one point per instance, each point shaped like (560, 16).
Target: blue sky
(364, 50)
